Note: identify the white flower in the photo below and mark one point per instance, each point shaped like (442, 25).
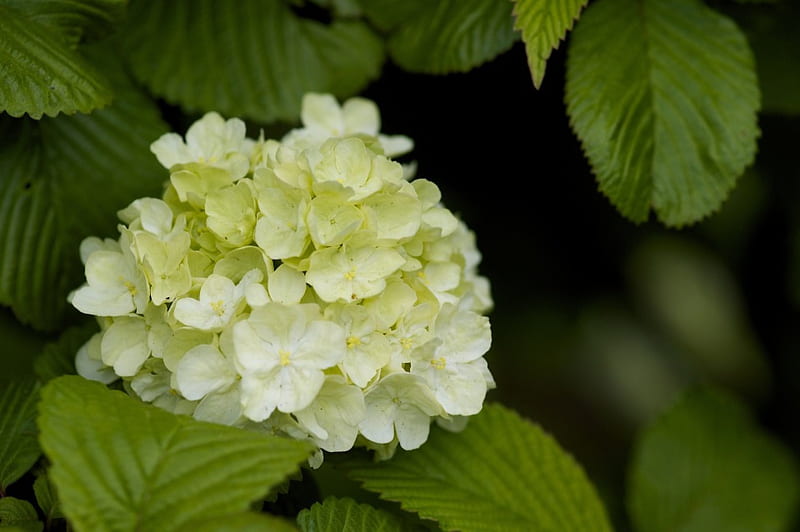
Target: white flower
(306, 287)
(400, 404)
(115, 286)
(452, 364)
(282, 351)
(219, 301)
(211, 140)
(333, 417)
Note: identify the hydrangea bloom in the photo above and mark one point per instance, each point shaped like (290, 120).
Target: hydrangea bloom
(305, 287)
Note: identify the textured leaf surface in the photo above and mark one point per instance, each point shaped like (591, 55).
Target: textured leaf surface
(62, 180)
(41, 75)
(120, 464)
(19, 448)
(73, 19)
(17, 361)
(663, 96)
(346, 515)
(246, 58)
(543, 25)
(705, 465)
(501, 473)
(19, 514)
(444, 36)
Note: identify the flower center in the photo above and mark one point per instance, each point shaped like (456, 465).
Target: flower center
(350, 275)
(353, 341)
(218, 307)
(406, 343)
(439, 363)
(284, 354)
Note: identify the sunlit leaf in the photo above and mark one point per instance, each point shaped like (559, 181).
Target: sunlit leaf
(544, 24)
(501, 473)
(663, 96)
(120, 464)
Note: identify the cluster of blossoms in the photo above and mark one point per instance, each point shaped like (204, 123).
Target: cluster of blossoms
(304, 287)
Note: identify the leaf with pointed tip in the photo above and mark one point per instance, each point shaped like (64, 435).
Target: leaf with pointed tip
(41, 75)
(664, 98)
(247, 58)
(19, 448)
(501, 473)
(543, 25)
(706, 465)
(120, 464)
(336, 515)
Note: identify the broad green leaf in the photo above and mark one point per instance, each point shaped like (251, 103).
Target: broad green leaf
(663, 96)
(120, 464)
(19, 448)
(346, 515)
(444, 36)
(73, 19)
(58, 357)
(46, 497)
(706, 465)
(62, 180)
(543, 25)
(41, 75)
(19, 514)
(241, 522)
(248, 58)
(500, 473)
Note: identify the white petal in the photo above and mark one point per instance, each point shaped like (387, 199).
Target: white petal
(287, 285)
(203, 370)
(321, 111)
(224, 408)
(361, 116)
(413, 426)
(93, 368)
(124, 346)
(298, 387)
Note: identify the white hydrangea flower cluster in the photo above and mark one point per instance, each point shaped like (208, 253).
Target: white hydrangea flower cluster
(304, 287)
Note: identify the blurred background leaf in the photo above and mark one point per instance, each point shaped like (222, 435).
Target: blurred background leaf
(705, 465)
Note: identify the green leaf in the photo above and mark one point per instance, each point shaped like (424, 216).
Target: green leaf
(663, 96)
(73, 19)
(46, 497)
(706, 465)
(19, 514)
(544, 24)
(120, 464)
(248, 58)
(346, 515)
(41, 75)
(58, 358)
(501, 473)
(62, 180)
(444, 36)
(241, 522)
(19, 448)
